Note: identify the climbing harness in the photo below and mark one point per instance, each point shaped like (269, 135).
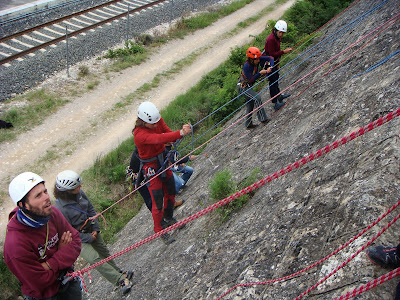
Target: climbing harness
(88, 224)
(243, 82)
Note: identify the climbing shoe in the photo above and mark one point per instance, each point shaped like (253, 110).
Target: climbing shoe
(168, 222)
(125, 286)
(167, 238)
(283, 96)
(266, 121)
(178, 203)
(278, 105)
(384, 256)
(127, 274)
(251, 126)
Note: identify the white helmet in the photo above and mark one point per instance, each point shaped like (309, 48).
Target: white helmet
(148, 113)
(22, 184)
(68, 180)
(281, 26)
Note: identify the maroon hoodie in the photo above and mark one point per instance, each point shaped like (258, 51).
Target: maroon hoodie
(21, 253)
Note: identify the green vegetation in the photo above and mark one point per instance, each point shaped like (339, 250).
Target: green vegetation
(31, 110)
(83, 71)
(105, 181)
(8, 282)
(209, 94)
(137, 52)
(91, 85)
(132, 54)
(223, 185)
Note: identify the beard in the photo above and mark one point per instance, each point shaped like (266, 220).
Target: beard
(38, 213)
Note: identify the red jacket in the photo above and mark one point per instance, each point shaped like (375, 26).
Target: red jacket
(273, 47)
(21, 253)
(151, 142)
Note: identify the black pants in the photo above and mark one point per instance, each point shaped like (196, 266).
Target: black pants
(274, 85)
(73, 292)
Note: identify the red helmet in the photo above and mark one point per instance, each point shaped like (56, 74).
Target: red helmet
(253, 52)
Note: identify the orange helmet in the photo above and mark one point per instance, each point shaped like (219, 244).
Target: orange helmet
(253, 52)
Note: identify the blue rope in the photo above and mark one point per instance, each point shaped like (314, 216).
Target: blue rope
(377, 64)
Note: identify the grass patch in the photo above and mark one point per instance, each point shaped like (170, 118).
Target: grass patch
(209, 94)
(93, 84)
(10, 288)
(28, 111)
(223, 186)
(135, 53)
(105, 181)
(83, 71)
(105, 184)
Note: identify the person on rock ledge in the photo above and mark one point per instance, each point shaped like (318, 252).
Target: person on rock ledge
(150, 136)
(40, 245)
(273, 48)
(254, 68)
(76, 207)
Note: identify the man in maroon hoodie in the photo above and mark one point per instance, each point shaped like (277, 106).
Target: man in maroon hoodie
(40, 245)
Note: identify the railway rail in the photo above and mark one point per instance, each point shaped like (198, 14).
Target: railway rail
(27, 42)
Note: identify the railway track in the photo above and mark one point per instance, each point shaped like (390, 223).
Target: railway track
(45, 36)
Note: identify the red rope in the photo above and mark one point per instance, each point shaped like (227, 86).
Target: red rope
(380, 28)
(80, 274)
(320, 261)
(319, 67)
(254, 186)
(239, 120)
(370, 285)
(349, 259)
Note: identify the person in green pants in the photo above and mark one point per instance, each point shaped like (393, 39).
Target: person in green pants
(77, 208)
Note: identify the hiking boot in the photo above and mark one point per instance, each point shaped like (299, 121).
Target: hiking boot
(283, 96)
(384, 256)
(127, 274)
(166, 223)
(178, 203)
(251, 126)
(167, 238)
(125, 286)
(278, 105)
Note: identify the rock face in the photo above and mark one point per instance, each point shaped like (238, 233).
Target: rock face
(302, 216)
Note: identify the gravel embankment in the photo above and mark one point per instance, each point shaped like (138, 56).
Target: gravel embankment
(31, 71)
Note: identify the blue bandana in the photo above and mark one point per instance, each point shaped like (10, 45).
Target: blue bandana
(23, 218)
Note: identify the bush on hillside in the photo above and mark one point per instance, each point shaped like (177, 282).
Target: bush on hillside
(314, 14)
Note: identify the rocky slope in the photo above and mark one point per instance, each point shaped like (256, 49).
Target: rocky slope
(306, 214)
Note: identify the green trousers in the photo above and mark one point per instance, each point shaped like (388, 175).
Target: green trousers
(95, 252)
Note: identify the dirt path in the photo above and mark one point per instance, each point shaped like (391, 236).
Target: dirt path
(78, 126)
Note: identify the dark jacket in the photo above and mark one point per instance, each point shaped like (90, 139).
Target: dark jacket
(76, 212)
(273, 47)
(250, 73)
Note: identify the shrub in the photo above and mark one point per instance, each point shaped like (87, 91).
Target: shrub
(223, 186)
(83, 71)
